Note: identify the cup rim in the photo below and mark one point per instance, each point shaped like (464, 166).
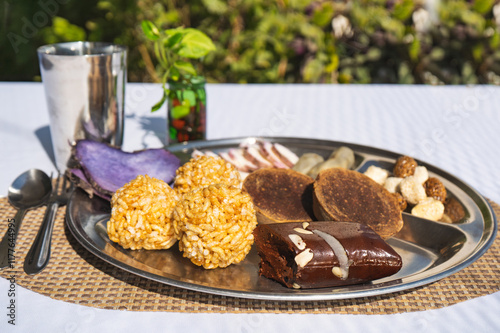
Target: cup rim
(51, 49)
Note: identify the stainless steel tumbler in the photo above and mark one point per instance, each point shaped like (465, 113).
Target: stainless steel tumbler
(85, 91)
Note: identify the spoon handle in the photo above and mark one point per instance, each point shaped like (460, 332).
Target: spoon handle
(7, 252)
(39, 253)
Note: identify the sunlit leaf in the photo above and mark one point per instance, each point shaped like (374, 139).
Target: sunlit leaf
(323, 15)
(437, 54)
(195, 44)
(173, 40)
(218, 7)
(483, 6)
(150, 30)
(313, 70)
(495, 41)
(189, 97)
(185, 67)
(158, 105)
(414, 49)
(174, 73)
(403, 9)
(333, 65)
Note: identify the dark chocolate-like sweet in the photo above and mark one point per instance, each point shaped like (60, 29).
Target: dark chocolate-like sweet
(350, 196)
(323, 254)
(280, 195)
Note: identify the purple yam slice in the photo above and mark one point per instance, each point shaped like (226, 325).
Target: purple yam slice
(78, 178)
(107, 169)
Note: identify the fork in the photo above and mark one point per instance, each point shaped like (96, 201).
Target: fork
(39, 253)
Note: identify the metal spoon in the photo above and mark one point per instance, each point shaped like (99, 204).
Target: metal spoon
(31, 189)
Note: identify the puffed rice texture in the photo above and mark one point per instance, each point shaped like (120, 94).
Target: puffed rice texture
(141, 215)
(203, 171)
(214, 225)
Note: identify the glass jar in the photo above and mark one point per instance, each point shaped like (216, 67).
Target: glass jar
(187, 110)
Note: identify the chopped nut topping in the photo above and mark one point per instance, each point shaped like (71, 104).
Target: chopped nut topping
(304, 257)
(337, 272)
(339, 251)
(297, 241)
(302, 231)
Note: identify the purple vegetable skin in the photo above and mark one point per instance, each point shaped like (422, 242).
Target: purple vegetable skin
(105, 169)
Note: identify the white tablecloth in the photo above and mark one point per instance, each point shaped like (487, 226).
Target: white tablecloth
(454, 128)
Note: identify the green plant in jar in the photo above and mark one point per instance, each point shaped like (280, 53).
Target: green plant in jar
(174, 48)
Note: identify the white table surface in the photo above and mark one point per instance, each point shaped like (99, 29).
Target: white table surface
(454, 128)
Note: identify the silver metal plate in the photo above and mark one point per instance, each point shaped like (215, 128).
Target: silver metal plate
(430, 250)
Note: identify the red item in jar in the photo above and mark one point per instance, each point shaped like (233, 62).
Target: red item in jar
(178, 123)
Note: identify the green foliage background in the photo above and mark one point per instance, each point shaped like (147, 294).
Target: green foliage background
(282, 41)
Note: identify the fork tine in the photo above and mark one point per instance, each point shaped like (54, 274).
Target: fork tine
(56, 188)
(70, 188)
(64, 186)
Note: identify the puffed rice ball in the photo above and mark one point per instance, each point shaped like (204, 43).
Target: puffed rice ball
(412, 190)
(214, 225)
(377, 174)
(429, 208)
(140, 215)
(203, 171)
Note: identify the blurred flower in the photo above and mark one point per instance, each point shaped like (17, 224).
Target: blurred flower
(299, 46)
(496, 14)
(421, 19)
(341, 26)
(432, 6)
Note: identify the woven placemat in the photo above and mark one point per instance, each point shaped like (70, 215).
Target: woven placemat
(74, 275)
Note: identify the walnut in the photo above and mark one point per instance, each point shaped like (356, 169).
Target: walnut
(405, 166)
(401, 201)
(434, 188)
(454, 210)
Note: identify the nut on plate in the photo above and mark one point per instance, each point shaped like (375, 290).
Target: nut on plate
(454, 210)
(401, 201)
(435, 188)
(378, 174)
(412, 190)
(405, 166)
(214, 225)
(429, 208)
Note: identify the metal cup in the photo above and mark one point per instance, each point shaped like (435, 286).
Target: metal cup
(85, 91)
